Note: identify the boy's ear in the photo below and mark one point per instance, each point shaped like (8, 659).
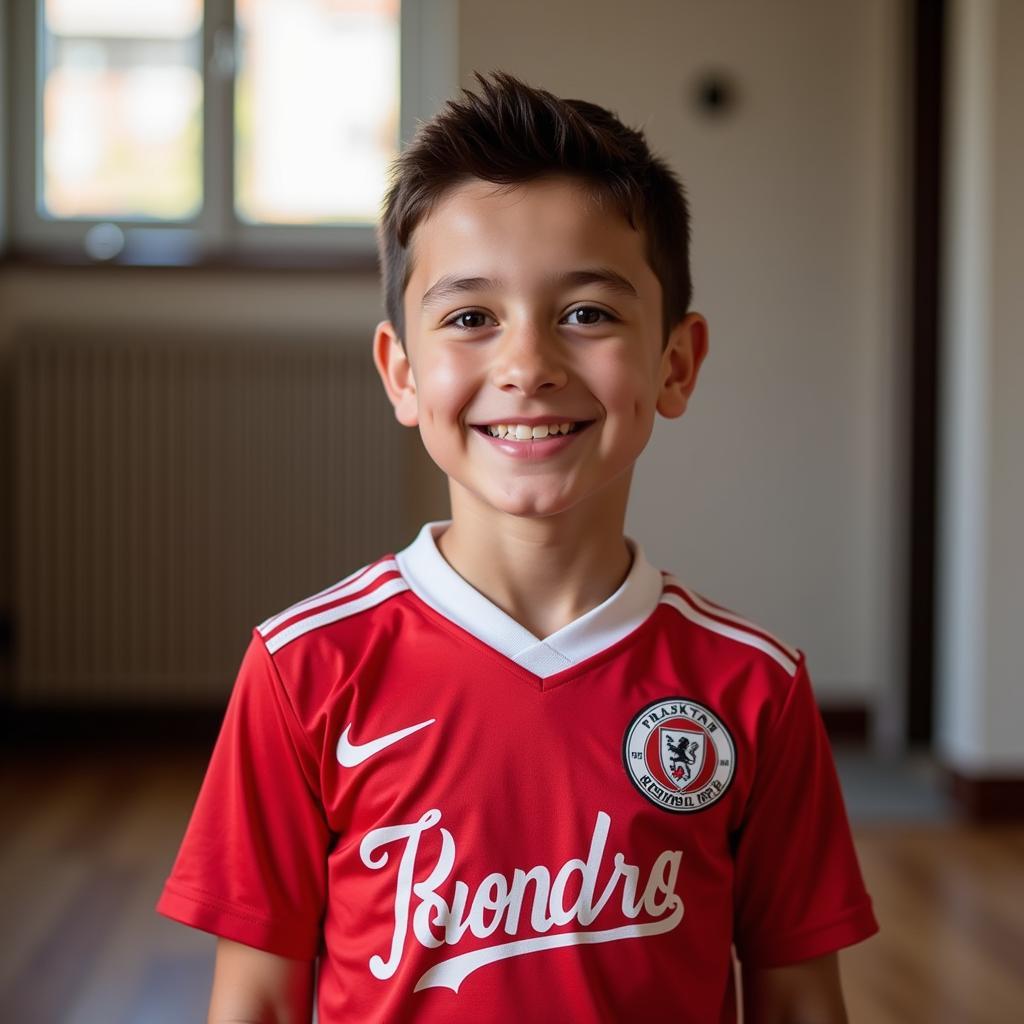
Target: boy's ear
(395, 373)
(680, 363)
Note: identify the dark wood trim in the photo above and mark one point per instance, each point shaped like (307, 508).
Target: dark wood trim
(847, 723)
(98, 727)
(928, 41)
(988, 798)
(144, 727)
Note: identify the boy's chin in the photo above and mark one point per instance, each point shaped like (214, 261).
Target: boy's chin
(524, 508)
(526, 503)
(571, 495)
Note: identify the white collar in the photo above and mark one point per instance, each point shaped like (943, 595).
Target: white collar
(435, 582)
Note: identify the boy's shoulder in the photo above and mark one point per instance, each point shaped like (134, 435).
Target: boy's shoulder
(725, 633)
(367, 588)
(358, 609)
(693, 640)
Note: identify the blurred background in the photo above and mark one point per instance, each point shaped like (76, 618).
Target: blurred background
(192, 435)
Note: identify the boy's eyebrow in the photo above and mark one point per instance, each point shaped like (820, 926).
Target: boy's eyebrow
(451, 284)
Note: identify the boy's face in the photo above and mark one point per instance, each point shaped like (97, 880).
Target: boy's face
(508, 322)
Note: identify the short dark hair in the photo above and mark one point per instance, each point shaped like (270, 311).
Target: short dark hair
(513, 133)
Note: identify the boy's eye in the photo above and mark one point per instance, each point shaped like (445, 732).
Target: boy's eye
(589, 319)
(456, 321)
(590, 315)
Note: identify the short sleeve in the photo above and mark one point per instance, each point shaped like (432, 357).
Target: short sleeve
(799, 891)
(252, 865)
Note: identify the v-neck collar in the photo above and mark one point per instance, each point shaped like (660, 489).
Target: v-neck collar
(435, 582)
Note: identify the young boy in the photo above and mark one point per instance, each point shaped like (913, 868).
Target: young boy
(514, 772)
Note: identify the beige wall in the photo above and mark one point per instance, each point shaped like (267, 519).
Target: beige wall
(1004, 720)
(981, 601)
(779, 493)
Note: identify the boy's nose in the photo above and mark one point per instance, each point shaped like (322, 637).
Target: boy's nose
(528, 360)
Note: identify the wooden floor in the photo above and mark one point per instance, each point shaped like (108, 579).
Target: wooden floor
(88, 839)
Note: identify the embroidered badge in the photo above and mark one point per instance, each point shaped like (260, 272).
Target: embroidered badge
(679, 754)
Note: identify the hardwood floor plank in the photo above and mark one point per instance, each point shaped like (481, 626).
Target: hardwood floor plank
(943, 942)
(46, 987)
(91, 837)
(34, 893)
(172, 990)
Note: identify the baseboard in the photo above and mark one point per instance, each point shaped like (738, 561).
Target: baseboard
(988, 798)
(847, 723)
(982, 799)
(111, 727)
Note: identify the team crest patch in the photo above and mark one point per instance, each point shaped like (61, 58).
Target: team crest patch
(679, 754)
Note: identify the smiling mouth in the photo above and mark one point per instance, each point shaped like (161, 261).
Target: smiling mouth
(524, 432)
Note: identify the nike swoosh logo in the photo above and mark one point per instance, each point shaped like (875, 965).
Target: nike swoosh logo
(350, 754)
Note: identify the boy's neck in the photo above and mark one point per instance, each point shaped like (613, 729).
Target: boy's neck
(543, 571)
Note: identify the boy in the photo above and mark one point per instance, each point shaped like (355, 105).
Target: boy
(514, 772)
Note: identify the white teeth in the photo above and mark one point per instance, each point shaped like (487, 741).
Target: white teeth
(522, 432)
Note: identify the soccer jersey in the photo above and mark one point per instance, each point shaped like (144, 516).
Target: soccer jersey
(465, 822)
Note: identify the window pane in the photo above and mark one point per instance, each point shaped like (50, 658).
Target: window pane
(316, 109)
(122, 108)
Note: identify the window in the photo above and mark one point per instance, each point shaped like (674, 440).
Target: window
(172, 131)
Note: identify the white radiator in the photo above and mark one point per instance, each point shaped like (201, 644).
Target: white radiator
(174, 493)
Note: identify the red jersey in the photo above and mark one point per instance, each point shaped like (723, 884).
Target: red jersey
(464, 822)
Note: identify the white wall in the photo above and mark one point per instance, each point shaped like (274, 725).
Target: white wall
(981, 595)
(780, 492)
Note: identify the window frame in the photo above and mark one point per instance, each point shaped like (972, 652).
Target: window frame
(428, 76)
